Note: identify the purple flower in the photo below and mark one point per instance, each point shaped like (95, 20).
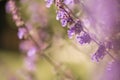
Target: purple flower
(70, 33)
(10, 6)
(77, 27)
(30, 59)
(63, 16)
(84, 38)
(63, 22)
(21, 32)
(70, 20)
(31, 52)
(30, 64)
(99, 54)
(68, 1)
(49, 3)
(60, 14)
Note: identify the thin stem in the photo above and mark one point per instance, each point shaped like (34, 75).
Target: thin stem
(37, 44)
(50, 60)
(111, 56)
(98, 43)
(45, 56)
(70, 11)
(57, 66)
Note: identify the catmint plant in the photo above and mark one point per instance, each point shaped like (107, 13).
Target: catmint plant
(99, 54)
(34, 39)
(77, 28)
(23, 33)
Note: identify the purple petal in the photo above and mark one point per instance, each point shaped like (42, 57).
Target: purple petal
(32, 52)
(84, 38)
(63, 22)
(70, 33)
(77, 27)
(49, 3)
(68, 1)
(99, 54)
(21, 32)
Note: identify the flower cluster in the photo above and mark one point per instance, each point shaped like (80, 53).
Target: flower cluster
(84, 38)
(23, 32)
(33, 39)
(75, 27)
(49, 3)
(66, 18)
(11, 8)
(99, 54)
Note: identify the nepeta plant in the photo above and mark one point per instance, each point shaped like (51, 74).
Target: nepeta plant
(35, 38)
(33, 44)
(76, 28)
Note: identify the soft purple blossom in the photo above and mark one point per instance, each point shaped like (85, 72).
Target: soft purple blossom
(113, 73)
(70, 33)
(10, 6)
(99, 54)
(68, 1)
(21, 32)
(75, 29)
(60, 14)
(63, 13)
(63, 16)
(49, 3)
(30, 64)
(31, 52)
(30, 59)
(84, 38)
(63, 22)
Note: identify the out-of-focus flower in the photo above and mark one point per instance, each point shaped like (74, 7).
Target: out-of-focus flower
(70, 33)
(32, 52)
(63, 16)
(30, 59)
(77, 27)
(63, 22)
(83, 38)
(30, 64)
(100, 53)
(68, 2)
(74, 29)
(49, 3)
(113, 73)
(11, 8)
(21, 33)
(26, 45)
(38, 14)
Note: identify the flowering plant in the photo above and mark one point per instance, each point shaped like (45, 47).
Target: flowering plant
(35, 39)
